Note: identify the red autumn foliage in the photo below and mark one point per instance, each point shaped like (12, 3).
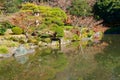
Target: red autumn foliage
(20, 19)
(75, 31)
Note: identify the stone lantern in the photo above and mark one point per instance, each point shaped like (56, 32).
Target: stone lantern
(36, 13)
(37, 22)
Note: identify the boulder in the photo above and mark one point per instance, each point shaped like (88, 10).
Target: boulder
(21, 50)
(5, 55)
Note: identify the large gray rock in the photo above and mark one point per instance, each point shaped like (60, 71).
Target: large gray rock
(5, 55)
(21, 50)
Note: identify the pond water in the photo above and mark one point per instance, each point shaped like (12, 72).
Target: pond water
(71, 62)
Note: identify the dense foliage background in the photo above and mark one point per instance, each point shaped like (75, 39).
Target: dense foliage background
(108, 10)
(80, 8)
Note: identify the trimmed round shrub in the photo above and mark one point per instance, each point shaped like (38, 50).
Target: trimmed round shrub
(17, 30)
(108, 10)
(3, 49)
(29, 6)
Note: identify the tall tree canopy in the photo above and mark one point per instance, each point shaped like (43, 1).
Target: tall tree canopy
(108, 10)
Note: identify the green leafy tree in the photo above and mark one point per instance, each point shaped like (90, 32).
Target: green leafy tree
(80, 8)
(108, 10)
(51, 18)
(57, 30)
(12, 6)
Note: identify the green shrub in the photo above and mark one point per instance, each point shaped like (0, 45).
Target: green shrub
(53, 15)
(3, 49)
(55, 20)
(76, 37)
(4, 26)
(49, 15)
(11, 6)
(47, 20)
(58, 29)
(17, 30)
(80, 8)
(60, 32)
(90, 33)
(58, 22)
(42, 26)
(7, 25)
(29, 6)
(57, 13)
(2, 29)
(108, 10)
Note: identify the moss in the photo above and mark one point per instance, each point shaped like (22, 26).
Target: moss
(17, 30)
(3, 49)
(10, 43)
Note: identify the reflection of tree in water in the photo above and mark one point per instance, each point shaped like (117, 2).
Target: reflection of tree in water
(116, 73)
(81, 63)
(108, 60)
(22, 59)
(42, 66)
(94, 64)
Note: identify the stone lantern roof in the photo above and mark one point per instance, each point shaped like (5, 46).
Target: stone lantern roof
(36, 12)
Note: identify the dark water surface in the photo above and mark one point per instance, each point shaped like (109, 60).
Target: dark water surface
(73, 62)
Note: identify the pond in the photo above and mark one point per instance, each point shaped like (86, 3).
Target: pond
(72, 62)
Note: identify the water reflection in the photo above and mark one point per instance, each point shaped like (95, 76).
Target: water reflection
(109, 59)
(22, 59)
(72, 62)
